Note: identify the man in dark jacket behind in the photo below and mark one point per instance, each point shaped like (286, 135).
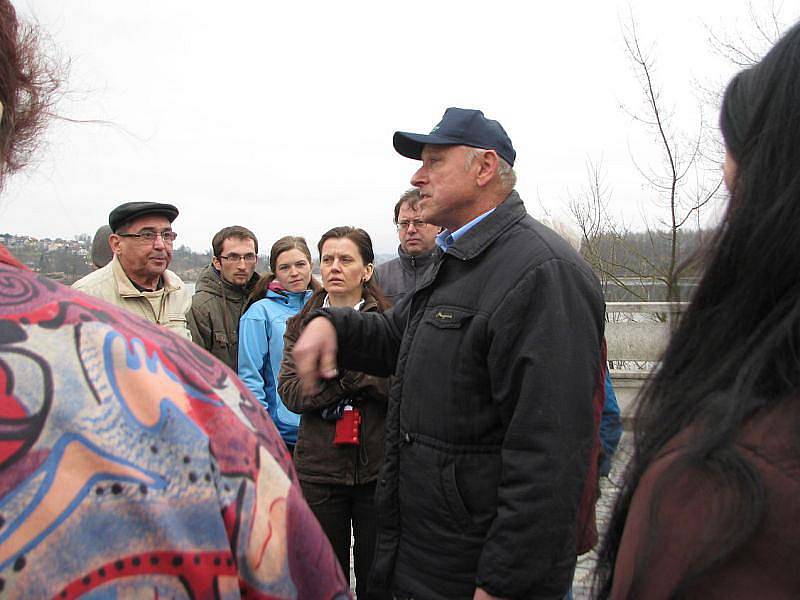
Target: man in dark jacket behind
(398, 277)
(221, 293)
(498, 357)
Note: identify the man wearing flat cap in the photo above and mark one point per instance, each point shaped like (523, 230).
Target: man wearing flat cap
(499, 367)
(137, 277)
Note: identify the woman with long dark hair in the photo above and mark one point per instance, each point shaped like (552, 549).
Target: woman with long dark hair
(340, 443)
(710, 506)
(283, 292)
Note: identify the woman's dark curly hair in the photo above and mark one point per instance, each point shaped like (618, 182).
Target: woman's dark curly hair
(29, 82)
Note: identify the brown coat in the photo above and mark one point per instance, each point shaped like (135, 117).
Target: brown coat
(675, 521)
(316, 458)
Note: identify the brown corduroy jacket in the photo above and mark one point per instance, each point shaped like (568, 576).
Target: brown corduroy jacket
(316, 458)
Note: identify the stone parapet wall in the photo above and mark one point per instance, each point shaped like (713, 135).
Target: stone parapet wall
(637, 334)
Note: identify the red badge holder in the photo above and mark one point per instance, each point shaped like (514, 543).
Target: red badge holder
(347, 427)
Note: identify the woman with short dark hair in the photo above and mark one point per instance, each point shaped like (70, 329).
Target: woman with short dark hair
(709, 507)
(340, 443)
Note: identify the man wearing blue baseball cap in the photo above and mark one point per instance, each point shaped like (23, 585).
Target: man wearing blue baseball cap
(498, 360)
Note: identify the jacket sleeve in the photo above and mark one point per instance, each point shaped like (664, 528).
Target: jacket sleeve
(361, 384)
(254, 356)
(611, 422)
(199, 323)
(368, 341)
(290, 386)
(271, 537)
(675, 509)
(180, 324)
(544, 363)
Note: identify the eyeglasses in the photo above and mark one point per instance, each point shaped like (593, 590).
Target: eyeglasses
(235, 258)
(403, 225)
(150, 236)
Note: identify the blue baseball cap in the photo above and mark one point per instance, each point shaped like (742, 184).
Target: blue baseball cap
(459, 127)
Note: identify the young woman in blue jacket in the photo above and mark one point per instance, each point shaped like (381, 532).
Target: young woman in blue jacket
(288, 286)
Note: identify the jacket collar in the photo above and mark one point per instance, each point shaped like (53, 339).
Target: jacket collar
(293, 299)
(421, 260)
(508, 212)
(370, 302)
(126, 288)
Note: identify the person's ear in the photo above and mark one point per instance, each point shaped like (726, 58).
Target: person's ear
(115, 241)
(216, 263)
(368, 272)
(488, 162)
(729, 169)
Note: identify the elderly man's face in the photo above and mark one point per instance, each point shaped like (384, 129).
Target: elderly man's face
(447, 187)
(144, 261)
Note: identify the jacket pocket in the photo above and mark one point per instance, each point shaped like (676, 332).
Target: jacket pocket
(445, 344)
(437, 534)
(448, 317)
(453, 499)
(176, 319)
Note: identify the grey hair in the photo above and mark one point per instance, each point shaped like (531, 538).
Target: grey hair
(504, 170)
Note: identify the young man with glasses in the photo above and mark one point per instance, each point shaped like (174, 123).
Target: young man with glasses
(137, 277)
(399, 276)
(222, 291)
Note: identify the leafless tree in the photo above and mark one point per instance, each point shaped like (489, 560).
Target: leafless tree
(742, 47)
(680, 184)
(602, 236)
(745, 48)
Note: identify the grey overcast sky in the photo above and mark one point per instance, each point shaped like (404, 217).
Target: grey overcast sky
(279, 115)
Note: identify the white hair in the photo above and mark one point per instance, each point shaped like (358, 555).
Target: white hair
(504, 170)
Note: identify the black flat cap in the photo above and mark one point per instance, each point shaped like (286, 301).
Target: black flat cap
(459, 127)
(133, 210)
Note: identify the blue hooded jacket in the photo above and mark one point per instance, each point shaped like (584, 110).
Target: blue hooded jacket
(261, 350)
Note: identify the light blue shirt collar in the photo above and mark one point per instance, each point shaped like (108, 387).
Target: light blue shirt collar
(446, 239)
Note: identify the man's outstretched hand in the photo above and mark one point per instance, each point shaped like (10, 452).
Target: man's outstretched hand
(315, 354)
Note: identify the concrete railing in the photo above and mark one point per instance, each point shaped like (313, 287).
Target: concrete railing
(636, 333)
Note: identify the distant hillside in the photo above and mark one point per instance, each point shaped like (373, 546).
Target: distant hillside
(630, 266)
(62, 260)
(67, 261)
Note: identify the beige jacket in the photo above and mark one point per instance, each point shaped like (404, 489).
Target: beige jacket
(167, 306)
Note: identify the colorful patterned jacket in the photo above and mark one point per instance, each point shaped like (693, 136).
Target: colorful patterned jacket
(133, 464)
